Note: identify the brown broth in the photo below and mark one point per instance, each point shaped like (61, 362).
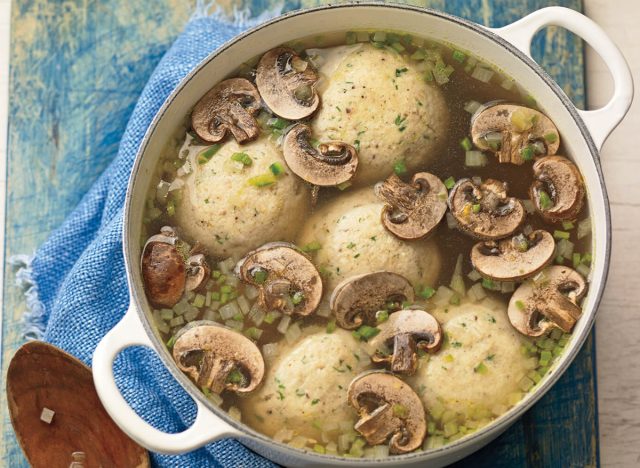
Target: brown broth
(459, 90)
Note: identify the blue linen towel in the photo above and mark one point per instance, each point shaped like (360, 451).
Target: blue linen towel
(76, 285)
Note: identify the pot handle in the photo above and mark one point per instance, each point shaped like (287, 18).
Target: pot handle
(600, 122)
(206, 428)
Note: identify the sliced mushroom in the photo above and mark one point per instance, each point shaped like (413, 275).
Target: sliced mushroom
(287, 84)
(163, 269)
(558, 190)
(228, 107)
(403, 334)
(550, 301)
(412, 211)
(514, 133)
(331, 164)
(356, 300)
(389, 410)
(285, 277)
(198, 273)
(218, 358)
(485, 211)
(515, 258)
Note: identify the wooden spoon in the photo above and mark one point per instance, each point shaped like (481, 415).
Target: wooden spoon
(42, 376)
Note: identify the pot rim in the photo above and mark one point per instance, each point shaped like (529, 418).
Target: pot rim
(500, 424)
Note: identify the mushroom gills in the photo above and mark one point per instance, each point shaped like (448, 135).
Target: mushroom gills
(515, 258)
(552, 301)
(287, 84)
(332, 163)
(515, 134)
(484, 210)
(558, 190)
(412, 211)
(389, 410)
(356, 300)
(228, 107)
(403, 334)
(286, 279)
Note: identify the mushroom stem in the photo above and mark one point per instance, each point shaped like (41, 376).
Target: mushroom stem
(404, 359)
(376, 426)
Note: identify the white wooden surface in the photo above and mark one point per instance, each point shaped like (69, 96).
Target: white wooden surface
(618, 323)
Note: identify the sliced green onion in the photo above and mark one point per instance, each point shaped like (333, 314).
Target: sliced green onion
(312, 246)
(331, 326)
(561, 234)
(382, 316)
(262, 180)
(343, 186)
(419, 54)
(297, 297)
(379, 36)
(398, 47)
(476, 208)
(277, 123)
(426, 292)
(567, 225)
(520, 305)
(481, 369)
(171, 342)
(207, 154)
(365, 332)
(551, 137)
(475, 159)
(527, 153)
(276, 168)
(449, 182)
(466, 144)
(544, 200)
(242, 158)
(459, 56)
(399, 167)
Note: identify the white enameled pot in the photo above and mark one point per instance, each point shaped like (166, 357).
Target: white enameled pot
(507, 48)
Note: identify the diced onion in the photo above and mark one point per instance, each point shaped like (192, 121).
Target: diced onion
(256, 314)
(166, 314)
(529, 207)
(243, 303)
(476, 292)
(215, 398)
(251, 292)
(331, 447)
(344, 442)
(442, 296)
(564, 248)
(584, 228)
(293, 333)
(162, 190)
(226, 266)
(185, 169)
(177, 184)
(474, 275)
(472, 106)
(507, 286)
(482, 74)
(269, 351)
(176, 321)
(584, 270)
(475, 158)
(346, 426)
(229, 310)
(211, 315)
(451, 221)
(191, 315)
(298, 442)
(507, 84)
(380, 451)
(235, 413)
(284, 324)
(283, 435)
(527, 230)
(324, 310)
(234, 324)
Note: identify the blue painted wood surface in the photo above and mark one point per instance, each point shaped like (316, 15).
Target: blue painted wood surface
(76, 71)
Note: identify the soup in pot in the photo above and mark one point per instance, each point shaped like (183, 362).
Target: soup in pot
(366, 244)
